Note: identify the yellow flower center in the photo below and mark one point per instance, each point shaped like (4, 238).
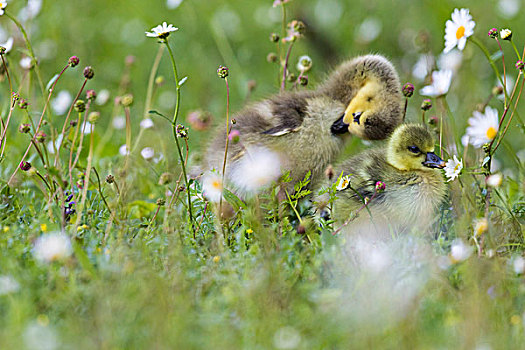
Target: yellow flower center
(217, 185)
(491, 133)
(460, 32)
(457, 167)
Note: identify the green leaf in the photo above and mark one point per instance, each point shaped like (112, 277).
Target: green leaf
(233, 200)
(83, 258)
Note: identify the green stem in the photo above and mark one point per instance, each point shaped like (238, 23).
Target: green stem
(515, 49)
(174, 129)
(487, 55)
(30, 49)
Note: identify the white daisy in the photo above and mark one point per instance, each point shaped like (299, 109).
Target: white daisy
(61, 103)
(458, 30)
(518, 265)
(161, 31)
(8, 285)
(304, 63)
(422, 66)
(123, 150)
(450, 60)
(147, 153)
(3, 4)
(258, 168)
(86, 128)
(453, 168)
(459, 251)
(483, 128)
(440, 84)
(212, 186)
(173, 4)
(146, 123)
(102, 97)
(26, 62)
(8, 45)
(52, 247)
(343, 183)
(119, 122)
(495, 180)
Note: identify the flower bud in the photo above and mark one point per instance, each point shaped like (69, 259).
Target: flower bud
(222, 72)
(165, 178)
(505, 34)
(426, 104)
(126, 100)
(15, 96)
(271, 57)
(161, 202)
(24, 128)
(93, 117)
(88, 72)
(303, 80)
(110, 179)
(23, 103)
(80, 106)
(25, 166)
(73, 61)
(234, 136)
(408, 90)
(519, 65)
(497, 90)
(91, 94)
(274, 37)
(380, 186)
(181, 131)
(40, 136)
(493, 33)
(160, 80)
(291, 77)
(2, 50)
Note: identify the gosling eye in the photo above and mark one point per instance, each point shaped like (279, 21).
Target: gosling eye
(369, 98)
(414, 149)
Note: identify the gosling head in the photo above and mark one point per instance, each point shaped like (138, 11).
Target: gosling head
(369, 88)
(411, 147)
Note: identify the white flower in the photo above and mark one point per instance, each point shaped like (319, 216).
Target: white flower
(161, 31)
(123, 150)
(495, 180)
(258, 168)
(158, 158)
(40, 335)
(86, 128)
(146, 123)
(147, 153)
(465, 140)
(26, 62)
(57, 144)
(119, 122)
(173, 4)
(304, 63)
(450, 60)
(459, 251)
(343, 183)
(509, 8)
(52, 247)
(31, 10)
(3, 4)
(102, 97)
(440, 84)
(8, 285)
(61, 103)
(212, 186)
(481, 226)
(458, 30)
(369, 30)
(505, 34)
(8, 45)
(483, 128)
(286, 338)
(453, 168)
(422, 66)
(519, 265)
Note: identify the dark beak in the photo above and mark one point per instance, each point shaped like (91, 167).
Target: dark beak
(357, 115)
(433, 161)
(339, 126)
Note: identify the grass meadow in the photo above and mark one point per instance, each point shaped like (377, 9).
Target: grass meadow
(97, 246)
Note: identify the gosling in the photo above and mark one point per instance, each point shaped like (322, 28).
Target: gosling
(414, 186)
(305, 130)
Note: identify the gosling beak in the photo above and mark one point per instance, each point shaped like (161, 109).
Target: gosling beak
(339, 126)
(356, 116)
(433, 161)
